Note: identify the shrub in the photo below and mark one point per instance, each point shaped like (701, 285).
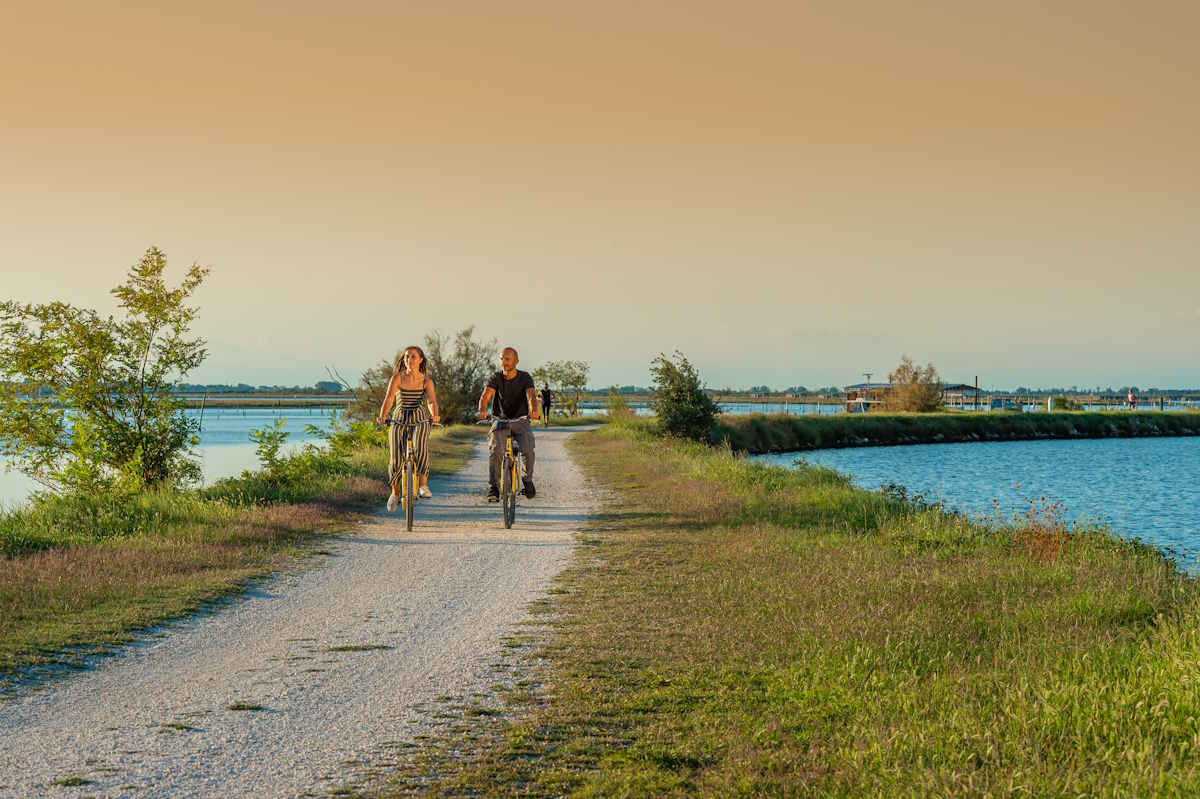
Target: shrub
(618, 408)
(1065, 404)
(684, 409)
(914, 388)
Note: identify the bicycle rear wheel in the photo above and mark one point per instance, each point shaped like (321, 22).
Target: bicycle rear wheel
(410, 494)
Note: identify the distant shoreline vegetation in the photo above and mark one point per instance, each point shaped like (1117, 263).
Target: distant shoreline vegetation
(761, 433)
(321, 387)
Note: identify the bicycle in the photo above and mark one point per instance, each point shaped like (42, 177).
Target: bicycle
(512, 470)
(408, 478)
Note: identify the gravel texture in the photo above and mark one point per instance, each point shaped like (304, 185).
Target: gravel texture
(332, 665)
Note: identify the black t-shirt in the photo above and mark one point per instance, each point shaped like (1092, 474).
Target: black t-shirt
(547, 397)
(510, 400)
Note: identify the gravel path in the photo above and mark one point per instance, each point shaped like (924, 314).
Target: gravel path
(341, 657)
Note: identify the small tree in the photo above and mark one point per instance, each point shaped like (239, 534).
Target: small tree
(683, 406)
(372, 387)
(567, 379)
(460, 368)
(914, 388)
(618, 406)
(86, 401)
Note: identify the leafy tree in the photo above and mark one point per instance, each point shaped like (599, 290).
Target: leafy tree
(684, 408)
(567, 379)
(460, 367)
(371, 389)
(914, 388)
(88, 403)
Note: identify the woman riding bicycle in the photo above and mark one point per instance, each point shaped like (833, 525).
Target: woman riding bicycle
(417, 408)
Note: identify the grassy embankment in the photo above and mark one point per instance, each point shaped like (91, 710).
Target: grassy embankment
(778, 433)
(81, 573)
(728, 628)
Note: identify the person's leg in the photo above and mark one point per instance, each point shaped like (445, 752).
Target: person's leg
(421, 450)
(395, 455)
(394, 465)
(523, 432)
(496, 441)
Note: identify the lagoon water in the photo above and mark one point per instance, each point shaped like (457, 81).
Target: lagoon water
(1148, 488)
(225, 447)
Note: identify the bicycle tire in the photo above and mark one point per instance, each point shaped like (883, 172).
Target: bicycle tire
(410, 477)
(508, 495)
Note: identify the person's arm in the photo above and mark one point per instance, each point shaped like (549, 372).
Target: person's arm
(485, 399)
(387, 398)
(531, 397)
(433, 408)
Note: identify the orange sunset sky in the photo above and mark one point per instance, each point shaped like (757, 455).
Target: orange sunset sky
(789, 192)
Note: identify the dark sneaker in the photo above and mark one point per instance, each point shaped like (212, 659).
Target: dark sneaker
(530, 492)
(493, 494)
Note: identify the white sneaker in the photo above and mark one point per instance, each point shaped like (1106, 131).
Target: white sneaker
(393, 503)
(425, 493)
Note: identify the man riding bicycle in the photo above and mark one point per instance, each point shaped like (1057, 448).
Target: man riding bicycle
(512, 395)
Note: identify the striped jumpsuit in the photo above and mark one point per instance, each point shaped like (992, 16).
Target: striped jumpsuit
(411, 409)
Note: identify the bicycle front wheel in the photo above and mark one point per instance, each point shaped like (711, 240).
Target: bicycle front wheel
(508, 494)
(410, 493)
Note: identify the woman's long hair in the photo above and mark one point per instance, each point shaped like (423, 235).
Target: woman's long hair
(400, 360)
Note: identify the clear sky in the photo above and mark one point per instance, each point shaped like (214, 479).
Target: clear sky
(789, 192)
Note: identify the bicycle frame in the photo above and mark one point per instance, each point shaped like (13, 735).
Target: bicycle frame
(409, 490)
(510, 473)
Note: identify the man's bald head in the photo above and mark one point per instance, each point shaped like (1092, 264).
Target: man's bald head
(508, 360)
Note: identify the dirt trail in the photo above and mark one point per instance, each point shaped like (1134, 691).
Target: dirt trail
(344, 658)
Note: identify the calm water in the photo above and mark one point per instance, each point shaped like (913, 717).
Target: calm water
(1147, 488)
(225, 447)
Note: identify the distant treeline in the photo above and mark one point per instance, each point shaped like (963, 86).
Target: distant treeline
(320, 387)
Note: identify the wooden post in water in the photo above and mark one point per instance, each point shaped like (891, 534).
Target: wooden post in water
(200, 429)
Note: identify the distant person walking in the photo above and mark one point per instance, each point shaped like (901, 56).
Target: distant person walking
(417, 407)
(1132, 401)
(547, 399)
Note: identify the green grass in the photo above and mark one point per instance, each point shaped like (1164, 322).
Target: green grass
(572, 421)
(246, 706)
(732, 629)
(82, 574)
(778, 433)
